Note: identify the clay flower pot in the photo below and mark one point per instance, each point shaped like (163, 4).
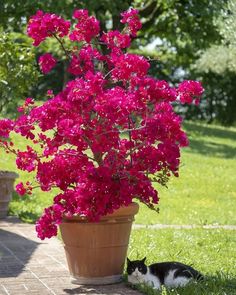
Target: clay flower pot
(96, 252)
(7, 180)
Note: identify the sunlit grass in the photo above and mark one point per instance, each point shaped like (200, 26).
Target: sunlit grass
(212, 252)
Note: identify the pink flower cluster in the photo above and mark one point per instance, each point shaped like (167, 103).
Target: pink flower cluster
(116, 39)
(26, 160)
(190, 91)
(43, 25)
(23, 189)
(6, 126)
(86, 28)
(131, 18)
(84, 60)
(114, 128)
(47, 62)
(27, 104)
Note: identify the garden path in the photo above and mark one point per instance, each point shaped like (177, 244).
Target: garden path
(31, 266)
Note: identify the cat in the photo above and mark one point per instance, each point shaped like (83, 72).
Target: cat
(169, 274)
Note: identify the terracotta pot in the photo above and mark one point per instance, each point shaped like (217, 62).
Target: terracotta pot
(96, 252)
(7, 180)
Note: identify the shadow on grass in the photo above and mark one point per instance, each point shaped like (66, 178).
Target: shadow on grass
(203, 130)
(212, 149)
(201, 139)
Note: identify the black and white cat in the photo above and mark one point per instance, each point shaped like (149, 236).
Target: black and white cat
(170, 274)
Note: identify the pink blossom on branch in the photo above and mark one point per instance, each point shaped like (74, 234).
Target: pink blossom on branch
(131, 18)
(6, 126)
(84, 60)
(24, 189)
(26, 160)
(190, 91)
(47, 62)
(116, 39)
(43, 25)
(129, 65)
(87, 27)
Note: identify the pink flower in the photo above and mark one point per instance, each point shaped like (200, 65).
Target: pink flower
(131, 18)
(129, 65)
(47, 62)
(86, 28)
(22, 189)
(190, 91)
(84, 61)
(46, 227)
(43, 25)
(116, 39)
(26, 160)
(6, 126)
(28, 101)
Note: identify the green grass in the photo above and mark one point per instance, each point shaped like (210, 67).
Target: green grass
(212, 252)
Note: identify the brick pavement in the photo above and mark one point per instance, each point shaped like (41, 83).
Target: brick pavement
(31, 266)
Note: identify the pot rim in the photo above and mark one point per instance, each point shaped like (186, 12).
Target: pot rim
(8, 175)
(124, 211)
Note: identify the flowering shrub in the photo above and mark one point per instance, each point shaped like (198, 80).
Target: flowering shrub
(109, 134)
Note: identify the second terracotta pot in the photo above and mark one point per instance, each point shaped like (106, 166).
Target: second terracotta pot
(7, 180)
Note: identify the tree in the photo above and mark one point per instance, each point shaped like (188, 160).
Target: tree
(18, 72)
(180, 28)
(217, 66)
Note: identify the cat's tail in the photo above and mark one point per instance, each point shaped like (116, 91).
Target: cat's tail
(193, 273)
(199, 276)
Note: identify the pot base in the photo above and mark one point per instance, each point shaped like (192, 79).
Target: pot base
(97, 280)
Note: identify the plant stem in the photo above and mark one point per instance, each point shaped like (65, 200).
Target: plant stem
(130, 139)
(62, 45)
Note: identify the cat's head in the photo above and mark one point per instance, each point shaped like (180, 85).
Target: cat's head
(136, 267)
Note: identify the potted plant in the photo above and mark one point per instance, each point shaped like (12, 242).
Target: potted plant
(102, 141)
(7, 179)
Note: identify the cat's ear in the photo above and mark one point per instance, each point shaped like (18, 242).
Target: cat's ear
(128, 261)
(144, 259)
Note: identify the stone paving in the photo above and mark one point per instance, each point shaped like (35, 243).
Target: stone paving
(31, 266)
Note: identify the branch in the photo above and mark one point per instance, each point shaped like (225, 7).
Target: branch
(130, 139)
(62, 45)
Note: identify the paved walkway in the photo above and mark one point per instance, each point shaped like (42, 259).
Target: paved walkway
(31, 266)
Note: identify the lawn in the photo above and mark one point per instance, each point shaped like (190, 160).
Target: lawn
(205, 193)
(212, 252)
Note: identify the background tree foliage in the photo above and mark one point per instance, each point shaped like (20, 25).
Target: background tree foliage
(180, 33)
(217, 67)
(18, 73)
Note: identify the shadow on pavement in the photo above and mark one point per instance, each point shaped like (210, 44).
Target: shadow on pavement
(15, 251)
